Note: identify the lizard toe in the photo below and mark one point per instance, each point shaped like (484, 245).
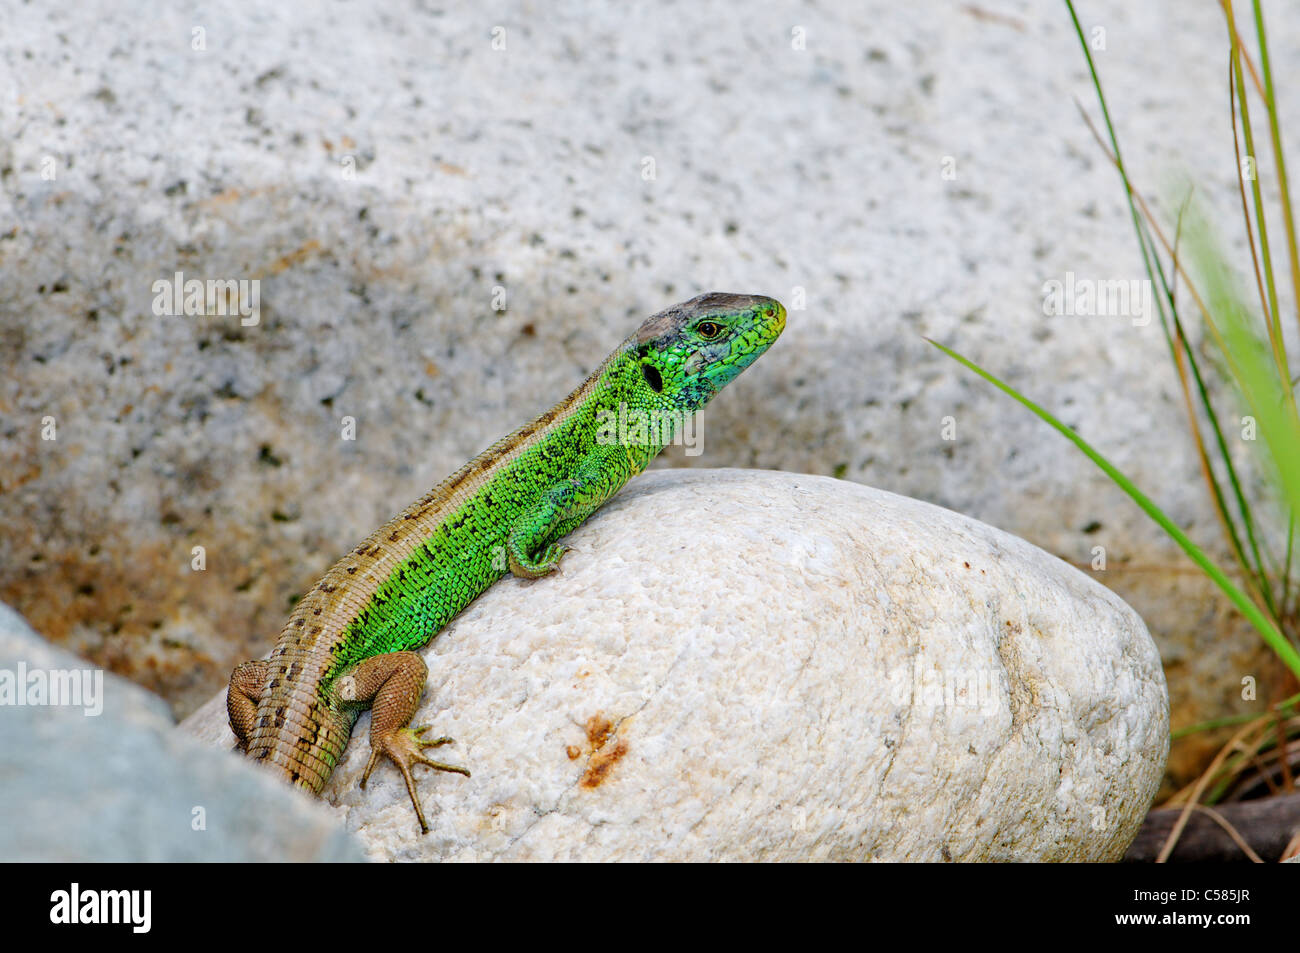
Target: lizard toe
(405, 748)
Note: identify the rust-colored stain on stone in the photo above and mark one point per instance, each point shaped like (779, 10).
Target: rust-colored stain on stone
(345, 142)
(131, 603)
(226, 196)
(9, 483)
(600, 765)
(599, 730)
(287, 261)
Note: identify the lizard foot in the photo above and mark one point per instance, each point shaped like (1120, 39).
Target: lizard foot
(535, 567)
(405, 748)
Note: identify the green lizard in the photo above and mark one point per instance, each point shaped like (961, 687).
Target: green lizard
(348, 644)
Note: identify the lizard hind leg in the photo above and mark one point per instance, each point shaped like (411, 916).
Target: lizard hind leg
(246, 684)
(392, 685)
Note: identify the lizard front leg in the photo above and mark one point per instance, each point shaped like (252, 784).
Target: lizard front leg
(391, 685)
(530, 548)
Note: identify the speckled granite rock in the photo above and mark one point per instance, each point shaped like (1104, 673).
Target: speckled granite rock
(110, 779)
(794, 668)
(382, 170)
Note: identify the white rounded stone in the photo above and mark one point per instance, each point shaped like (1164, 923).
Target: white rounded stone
(755, 665)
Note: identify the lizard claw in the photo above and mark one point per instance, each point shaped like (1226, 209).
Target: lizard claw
(417, 736)
(404, 747)
(559, 566)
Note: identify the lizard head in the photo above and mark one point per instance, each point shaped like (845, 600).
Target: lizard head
(692, 350)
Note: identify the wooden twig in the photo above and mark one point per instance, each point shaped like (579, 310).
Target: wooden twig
(1267, 826)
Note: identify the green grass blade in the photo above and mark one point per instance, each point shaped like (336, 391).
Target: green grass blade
(1256, 571)
(1264, 625)
(1275, 134)
(1230, 720)
(1285, 607)
(1268, 397)
(1261, 223)
(1155, 273)
(1176, 340)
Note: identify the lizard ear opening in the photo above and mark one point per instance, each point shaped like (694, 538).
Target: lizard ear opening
(652, 377)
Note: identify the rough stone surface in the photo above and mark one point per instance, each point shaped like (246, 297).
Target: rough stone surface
(766, 676)
(124, 785)
(382, 169)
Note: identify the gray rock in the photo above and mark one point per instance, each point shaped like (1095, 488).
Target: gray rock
(381, 175)
(786, 668)
(109, 778)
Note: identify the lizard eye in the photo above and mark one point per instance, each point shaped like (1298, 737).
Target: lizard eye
(708, 330)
